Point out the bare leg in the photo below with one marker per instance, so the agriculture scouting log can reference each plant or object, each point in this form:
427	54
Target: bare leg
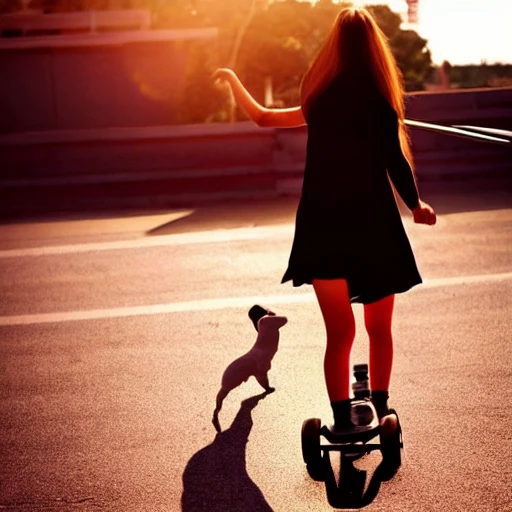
378	318
334	302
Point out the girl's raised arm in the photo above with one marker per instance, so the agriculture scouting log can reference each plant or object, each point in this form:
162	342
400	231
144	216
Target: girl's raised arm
276	117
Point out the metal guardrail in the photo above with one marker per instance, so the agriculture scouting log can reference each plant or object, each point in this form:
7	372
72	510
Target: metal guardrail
477	133
495	131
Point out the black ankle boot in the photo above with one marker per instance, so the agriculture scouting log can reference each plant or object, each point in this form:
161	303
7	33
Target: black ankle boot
341	413
380	402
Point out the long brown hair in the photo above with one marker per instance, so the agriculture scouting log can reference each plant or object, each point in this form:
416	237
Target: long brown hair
356	42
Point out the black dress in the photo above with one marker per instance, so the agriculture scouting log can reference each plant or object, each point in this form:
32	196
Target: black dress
348	224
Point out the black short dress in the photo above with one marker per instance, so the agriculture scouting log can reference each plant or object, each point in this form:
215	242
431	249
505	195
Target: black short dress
348	223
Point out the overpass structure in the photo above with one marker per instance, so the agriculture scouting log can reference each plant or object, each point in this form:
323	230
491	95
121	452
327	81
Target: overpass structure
159	167
91	70
87	123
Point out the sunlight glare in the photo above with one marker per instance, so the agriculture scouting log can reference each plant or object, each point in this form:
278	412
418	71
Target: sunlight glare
460	31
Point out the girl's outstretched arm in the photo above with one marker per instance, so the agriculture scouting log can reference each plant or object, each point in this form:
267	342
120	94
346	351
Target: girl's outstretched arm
277	117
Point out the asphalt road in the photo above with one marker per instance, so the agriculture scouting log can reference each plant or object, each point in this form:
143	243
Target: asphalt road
115	331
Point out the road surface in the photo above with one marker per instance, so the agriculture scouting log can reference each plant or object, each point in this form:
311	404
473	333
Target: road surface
115	331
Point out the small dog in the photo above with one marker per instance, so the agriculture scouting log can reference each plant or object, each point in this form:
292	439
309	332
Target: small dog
257	361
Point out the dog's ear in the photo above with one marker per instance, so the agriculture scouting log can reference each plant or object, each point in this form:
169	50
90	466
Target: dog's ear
257	312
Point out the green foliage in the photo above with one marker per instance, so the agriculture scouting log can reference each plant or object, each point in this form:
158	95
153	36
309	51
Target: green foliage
263	40
201	100
413	58
279	44
410	50
274	47
388	21
482	75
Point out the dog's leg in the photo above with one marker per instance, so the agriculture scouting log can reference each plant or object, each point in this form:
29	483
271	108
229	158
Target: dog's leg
223	393
263	382
215	421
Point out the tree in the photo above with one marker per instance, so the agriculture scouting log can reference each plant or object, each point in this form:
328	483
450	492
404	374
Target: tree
231	17
389	22
279	44
282	39
413	58
273	53
268	43
201	101
235	50
410	50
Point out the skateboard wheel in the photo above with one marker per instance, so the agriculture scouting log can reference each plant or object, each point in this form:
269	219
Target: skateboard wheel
391	448
311	452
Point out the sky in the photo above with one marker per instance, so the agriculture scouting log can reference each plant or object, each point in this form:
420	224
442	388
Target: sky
462	31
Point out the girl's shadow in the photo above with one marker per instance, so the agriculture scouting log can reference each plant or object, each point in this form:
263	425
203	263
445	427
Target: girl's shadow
350	492
216	478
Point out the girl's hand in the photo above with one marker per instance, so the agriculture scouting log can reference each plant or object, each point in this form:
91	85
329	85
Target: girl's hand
424	214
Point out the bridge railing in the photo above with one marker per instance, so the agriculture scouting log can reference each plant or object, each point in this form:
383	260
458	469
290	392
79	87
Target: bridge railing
162	166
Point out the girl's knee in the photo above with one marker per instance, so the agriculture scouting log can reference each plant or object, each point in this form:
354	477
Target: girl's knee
342	330
334	302
378	330
378	318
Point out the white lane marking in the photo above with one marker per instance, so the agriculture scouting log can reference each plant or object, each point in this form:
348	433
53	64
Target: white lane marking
155	309
199	237
221	303
475	279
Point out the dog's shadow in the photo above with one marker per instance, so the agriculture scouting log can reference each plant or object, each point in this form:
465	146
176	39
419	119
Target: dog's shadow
216	478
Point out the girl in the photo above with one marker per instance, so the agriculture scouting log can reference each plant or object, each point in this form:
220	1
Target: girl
349	242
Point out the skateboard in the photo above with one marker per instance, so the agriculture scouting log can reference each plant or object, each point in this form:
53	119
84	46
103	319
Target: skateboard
317	439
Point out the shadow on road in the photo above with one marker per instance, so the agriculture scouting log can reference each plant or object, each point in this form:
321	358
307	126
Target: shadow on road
216	478
447	197
349	490
232	214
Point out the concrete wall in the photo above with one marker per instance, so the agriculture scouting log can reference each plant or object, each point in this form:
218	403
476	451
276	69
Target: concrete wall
89	87
89	81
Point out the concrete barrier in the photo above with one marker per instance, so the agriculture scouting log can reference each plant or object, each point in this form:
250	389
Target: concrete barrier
135	167
169	166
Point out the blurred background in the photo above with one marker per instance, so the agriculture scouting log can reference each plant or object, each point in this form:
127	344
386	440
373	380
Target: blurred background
176	44
82	79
